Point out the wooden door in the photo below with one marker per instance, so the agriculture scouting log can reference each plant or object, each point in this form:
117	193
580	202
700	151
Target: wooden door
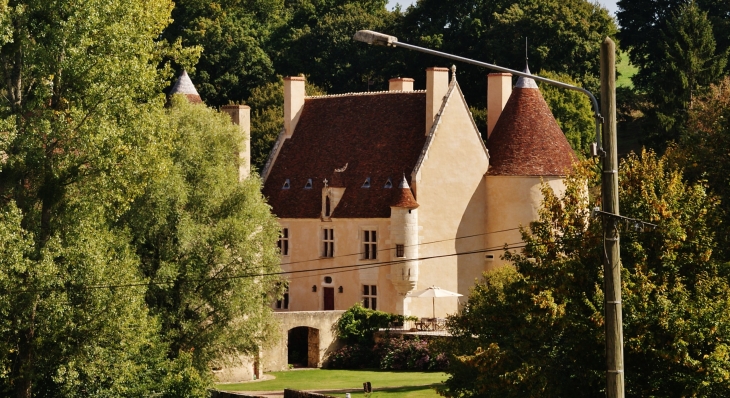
329	298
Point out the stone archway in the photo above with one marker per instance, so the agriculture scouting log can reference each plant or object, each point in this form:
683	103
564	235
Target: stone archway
303	347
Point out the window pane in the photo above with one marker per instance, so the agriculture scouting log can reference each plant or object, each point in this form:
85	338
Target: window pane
366	302
375	251
286	248
286	232
373	301
366	236
332	234
286	301
372	236
374	290
366	290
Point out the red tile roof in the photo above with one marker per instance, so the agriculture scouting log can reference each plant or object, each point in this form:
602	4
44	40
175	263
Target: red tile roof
378	136
403	196
527	141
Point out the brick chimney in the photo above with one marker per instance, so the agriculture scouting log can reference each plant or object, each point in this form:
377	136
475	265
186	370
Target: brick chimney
241	116
293	102
437	84
499	88
400	84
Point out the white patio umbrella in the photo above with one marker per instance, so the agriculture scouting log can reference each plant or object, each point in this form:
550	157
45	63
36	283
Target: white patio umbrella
433	292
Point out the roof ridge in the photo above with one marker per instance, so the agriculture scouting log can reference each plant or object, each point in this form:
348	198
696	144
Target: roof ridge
365	93
432	132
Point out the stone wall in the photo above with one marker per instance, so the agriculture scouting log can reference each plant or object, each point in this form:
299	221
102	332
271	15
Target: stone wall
275	357
303	394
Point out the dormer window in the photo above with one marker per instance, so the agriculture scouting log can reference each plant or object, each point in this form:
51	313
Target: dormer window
308	185
286	184
366	184
389	184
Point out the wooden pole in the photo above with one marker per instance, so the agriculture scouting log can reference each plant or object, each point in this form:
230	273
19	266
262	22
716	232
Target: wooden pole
612	260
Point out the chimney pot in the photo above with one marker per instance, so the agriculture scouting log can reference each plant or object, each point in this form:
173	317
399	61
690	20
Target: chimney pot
499	88
241	116
293	102
437	84
400	84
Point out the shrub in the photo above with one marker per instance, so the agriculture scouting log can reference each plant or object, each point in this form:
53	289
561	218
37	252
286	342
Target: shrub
358	324
391	353
405	353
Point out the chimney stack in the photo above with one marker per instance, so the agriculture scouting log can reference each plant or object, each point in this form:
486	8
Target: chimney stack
293	102
499	88
241	116
400	84
437	84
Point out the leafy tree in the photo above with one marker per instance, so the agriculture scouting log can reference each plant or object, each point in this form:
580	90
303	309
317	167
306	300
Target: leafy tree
642	23
267	118
233	37
572	111
207	243
702	151
358	324
537	328
317	40
570	33
690	65
82	131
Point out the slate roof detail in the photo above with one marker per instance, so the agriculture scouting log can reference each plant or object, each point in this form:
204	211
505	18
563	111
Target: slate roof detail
527	141
403	197
379	135
185	86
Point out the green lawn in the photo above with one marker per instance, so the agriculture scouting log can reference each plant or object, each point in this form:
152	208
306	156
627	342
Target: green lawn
626	70
401	384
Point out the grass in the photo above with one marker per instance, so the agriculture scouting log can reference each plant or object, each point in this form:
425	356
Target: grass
626	70
398	384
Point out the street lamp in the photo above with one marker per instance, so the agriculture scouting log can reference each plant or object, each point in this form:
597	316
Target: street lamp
381	39
609	187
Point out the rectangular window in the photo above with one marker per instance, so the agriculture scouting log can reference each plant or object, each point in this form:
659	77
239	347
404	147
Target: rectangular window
284	242
328	242
370	245
370	296
283	304
400	251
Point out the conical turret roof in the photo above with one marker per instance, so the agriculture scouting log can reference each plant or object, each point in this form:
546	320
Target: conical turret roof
185	86
403	197
527	141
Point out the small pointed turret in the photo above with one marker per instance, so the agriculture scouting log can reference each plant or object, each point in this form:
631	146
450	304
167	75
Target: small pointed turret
403	197
185	86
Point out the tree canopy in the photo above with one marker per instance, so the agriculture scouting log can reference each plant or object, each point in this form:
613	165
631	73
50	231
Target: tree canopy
85	140
537	328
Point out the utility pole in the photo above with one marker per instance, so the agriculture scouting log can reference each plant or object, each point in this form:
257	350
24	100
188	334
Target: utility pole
612	259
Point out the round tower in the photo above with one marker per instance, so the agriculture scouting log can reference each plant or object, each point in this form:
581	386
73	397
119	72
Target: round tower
404	237
526	148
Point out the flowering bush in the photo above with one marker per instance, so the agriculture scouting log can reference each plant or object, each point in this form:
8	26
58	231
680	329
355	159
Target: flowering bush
392	353
354	356
408	354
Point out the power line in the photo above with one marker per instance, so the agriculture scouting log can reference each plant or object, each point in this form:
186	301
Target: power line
334	269
417	244
342	268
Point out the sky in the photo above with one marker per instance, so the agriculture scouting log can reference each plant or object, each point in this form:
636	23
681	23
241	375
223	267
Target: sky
609	4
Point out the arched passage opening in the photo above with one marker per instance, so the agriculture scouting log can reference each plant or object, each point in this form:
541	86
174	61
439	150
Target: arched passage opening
303	347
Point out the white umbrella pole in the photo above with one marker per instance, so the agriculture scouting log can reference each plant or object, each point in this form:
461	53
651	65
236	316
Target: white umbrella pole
433	306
